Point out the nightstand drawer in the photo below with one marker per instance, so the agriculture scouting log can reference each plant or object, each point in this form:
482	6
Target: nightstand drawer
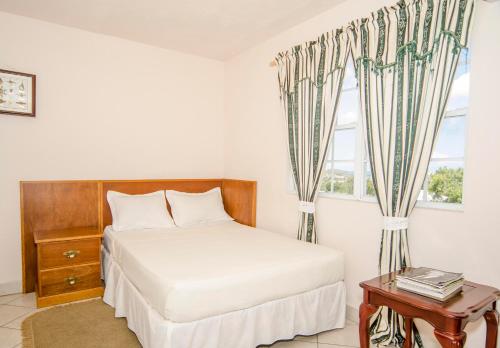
68	253
55	282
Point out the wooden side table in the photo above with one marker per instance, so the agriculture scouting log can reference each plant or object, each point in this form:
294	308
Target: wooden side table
68	265
448	318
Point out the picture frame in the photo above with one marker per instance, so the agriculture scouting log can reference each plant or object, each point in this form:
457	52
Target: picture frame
17	93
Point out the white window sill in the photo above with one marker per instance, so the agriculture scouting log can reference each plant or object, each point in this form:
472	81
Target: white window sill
370	199
331	195
441	206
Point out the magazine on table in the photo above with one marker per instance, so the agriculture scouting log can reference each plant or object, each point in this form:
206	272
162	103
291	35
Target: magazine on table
430	277
430	282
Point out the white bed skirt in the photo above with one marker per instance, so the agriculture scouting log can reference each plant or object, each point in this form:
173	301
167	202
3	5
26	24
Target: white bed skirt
305	314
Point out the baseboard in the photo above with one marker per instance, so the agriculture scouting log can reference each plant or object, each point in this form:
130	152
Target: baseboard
9	288
352	314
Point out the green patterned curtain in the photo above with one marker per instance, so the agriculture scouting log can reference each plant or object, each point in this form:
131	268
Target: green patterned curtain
310	79
406	57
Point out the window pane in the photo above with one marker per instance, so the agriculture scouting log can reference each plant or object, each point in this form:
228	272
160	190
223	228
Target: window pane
451	139
343	177
348	108
445	181
326	182
349	76
329	154
344	142
328	166
369	189
459	96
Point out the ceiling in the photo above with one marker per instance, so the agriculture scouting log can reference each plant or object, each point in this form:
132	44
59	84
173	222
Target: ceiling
216	29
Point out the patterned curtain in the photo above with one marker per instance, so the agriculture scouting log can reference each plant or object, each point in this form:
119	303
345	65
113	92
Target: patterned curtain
405	57
310	79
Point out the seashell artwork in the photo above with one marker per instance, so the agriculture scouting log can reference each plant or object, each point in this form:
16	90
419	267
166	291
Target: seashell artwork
17	93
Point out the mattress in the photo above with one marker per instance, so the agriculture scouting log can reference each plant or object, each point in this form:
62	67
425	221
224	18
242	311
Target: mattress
188	274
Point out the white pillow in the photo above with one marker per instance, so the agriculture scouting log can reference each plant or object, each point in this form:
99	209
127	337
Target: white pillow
139	211
190	209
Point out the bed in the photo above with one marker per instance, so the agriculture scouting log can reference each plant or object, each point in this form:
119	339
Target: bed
224	285
221	285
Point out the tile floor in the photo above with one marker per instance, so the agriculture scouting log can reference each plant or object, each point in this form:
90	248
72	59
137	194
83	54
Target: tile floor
341	338
14	308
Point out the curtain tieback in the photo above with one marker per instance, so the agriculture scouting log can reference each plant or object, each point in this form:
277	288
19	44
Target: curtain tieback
395	223
306	207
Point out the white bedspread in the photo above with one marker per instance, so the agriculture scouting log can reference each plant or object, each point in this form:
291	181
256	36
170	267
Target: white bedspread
195	273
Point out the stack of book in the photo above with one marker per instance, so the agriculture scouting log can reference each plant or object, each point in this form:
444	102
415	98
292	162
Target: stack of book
430	282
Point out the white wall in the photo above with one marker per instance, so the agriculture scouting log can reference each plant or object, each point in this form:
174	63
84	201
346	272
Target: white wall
465	241
106	108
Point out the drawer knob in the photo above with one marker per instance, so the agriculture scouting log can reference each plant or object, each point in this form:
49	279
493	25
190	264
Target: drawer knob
71	254
71	280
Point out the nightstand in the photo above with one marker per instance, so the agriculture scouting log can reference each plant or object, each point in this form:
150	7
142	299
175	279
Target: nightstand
68	265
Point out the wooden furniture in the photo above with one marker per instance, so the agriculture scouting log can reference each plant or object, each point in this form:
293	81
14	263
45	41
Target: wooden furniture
68	265
448	318
66	209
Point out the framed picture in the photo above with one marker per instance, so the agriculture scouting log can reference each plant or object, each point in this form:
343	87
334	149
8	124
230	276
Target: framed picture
17	93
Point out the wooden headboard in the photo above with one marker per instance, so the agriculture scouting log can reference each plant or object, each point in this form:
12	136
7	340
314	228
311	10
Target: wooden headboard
238	195
48	205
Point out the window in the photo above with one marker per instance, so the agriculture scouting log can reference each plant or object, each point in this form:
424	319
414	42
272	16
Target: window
444	182
347	169
343	157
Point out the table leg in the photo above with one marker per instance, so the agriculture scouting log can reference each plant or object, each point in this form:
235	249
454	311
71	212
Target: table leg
491	318
365	312
408	330
449	340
